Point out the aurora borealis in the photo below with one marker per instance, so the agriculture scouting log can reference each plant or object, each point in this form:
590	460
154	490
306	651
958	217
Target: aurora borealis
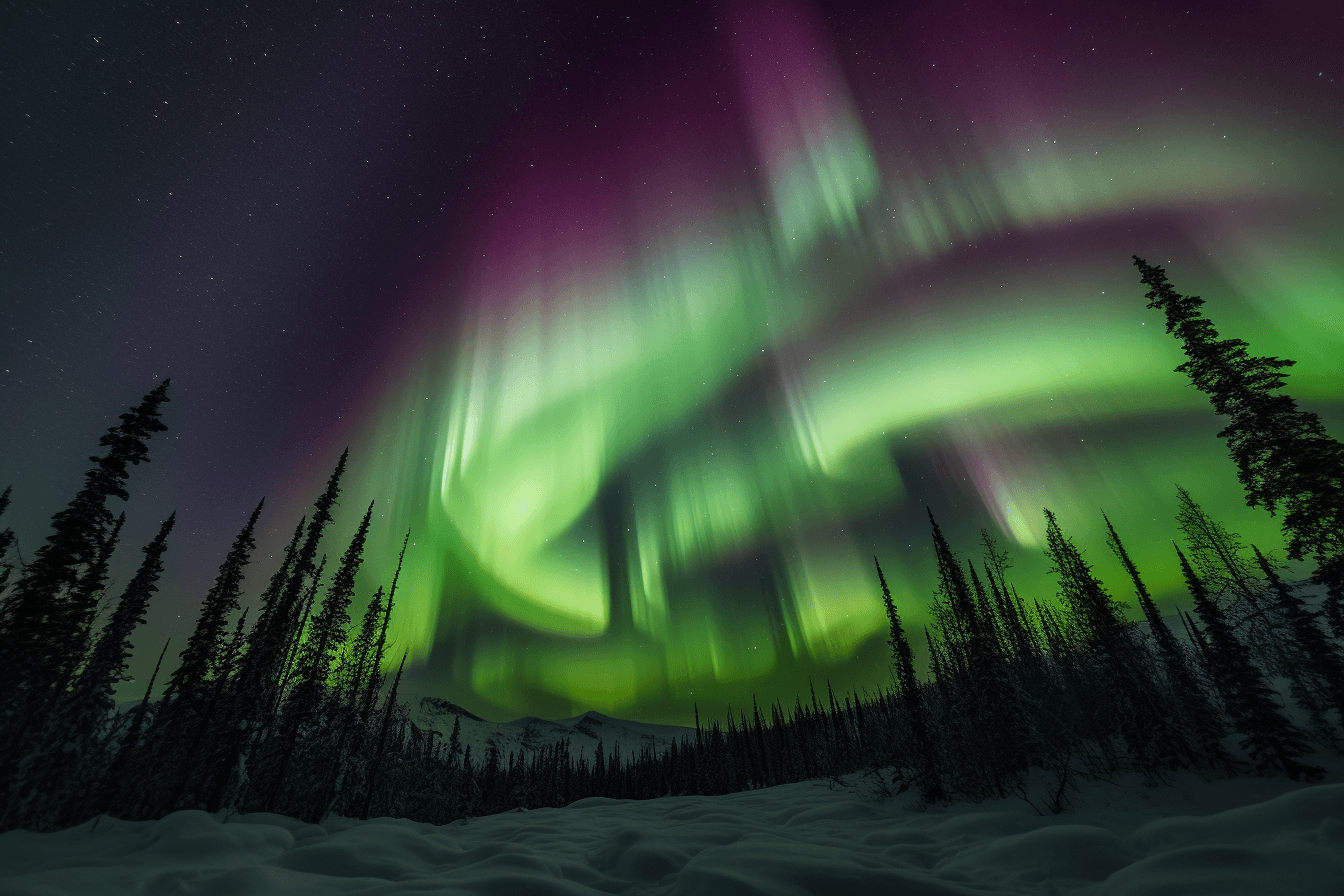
704	314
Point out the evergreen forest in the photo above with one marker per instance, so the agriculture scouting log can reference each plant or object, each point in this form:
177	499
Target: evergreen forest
296	711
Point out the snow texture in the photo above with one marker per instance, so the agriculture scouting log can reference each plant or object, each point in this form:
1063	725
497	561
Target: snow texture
1242	836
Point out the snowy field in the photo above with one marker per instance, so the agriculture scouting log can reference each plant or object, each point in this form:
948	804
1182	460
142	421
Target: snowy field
1246	836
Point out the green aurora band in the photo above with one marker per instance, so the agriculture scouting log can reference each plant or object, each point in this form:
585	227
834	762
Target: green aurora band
653	460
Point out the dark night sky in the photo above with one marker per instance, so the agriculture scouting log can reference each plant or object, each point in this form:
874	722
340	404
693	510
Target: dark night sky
535	261
234	198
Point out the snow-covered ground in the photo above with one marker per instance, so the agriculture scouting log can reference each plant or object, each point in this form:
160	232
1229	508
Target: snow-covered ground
1261	836
1246	836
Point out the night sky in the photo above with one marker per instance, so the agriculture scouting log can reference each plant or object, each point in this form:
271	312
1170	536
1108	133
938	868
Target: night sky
653	324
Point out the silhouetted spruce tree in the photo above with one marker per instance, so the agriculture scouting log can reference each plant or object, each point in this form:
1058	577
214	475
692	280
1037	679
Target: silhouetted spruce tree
1124	678
1162	636
193	776
46	619
359	651
939	670
289	666
285	723
82	718
1270	738
1020	639
191	698
287	618
107	664
1318	665
455	739
227	666
1196	638
979	712
767	775
902	657
1193	713
96	683
259	688
93	584
955	609
247	687
129	798
375	681
987	612
199	660
1041	732
326	636
6	542
260	635
349	740
380	752
1215	553
1284	457
1099	617
329	628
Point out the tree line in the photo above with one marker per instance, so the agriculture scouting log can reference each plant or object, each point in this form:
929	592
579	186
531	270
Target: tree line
298	713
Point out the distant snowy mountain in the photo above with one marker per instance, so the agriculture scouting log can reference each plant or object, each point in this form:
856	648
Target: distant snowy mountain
530	734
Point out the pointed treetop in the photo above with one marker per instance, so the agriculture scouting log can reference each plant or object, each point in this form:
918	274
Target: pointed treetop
1192	579
1163	297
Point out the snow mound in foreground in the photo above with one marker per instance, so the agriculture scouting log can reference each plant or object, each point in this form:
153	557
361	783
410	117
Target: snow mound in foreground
1244	836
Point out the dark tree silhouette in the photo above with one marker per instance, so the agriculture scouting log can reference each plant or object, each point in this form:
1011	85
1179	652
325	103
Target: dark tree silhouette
1317	665
1284	457
930	787
329	628
380	752
200	659
44	623
96	684
1270	738
113	783
315	657
66	748
1215	553
375	681
1128	689
6	542
359	656
1198	717
256	691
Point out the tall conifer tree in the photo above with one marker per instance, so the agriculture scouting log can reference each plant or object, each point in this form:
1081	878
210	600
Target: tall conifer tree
6	542
359	653
1138	711
329	628
1316	658
200	659
375	681
46	620
326	636
380	754
931	788
1285	459
1270	738
1200	719
1215	552
83	717
97	682
256	691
